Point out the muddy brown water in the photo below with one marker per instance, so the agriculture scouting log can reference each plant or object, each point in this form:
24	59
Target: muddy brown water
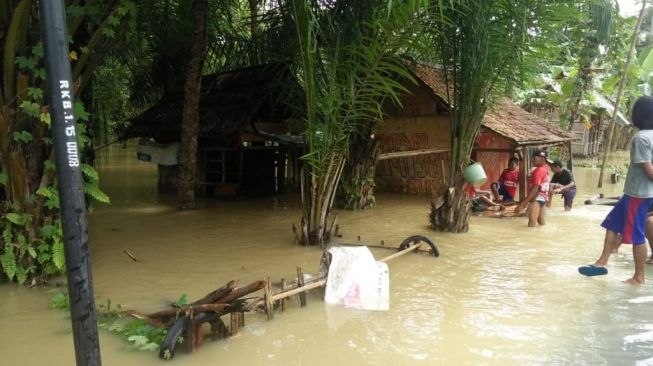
502	294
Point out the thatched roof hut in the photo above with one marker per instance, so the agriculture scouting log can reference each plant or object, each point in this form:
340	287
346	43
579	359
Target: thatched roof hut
505	118
416	140
230	104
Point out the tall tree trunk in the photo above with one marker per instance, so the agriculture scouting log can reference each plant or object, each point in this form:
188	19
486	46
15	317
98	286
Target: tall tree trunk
356	190
318	192
253	11
582	86
620	90
450	212
192	90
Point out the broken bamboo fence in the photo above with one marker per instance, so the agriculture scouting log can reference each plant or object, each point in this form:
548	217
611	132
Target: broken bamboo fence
187	322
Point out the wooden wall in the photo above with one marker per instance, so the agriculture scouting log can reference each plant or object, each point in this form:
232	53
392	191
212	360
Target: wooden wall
493	162
417	126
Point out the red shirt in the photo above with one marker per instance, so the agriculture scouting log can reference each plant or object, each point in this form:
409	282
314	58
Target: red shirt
540	177
510	180
470	191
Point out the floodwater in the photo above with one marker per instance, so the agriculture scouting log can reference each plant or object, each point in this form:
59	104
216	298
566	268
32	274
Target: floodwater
502	294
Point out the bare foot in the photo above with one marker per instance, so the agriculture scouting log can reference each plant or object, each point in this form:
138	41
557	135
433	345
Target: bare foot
634	281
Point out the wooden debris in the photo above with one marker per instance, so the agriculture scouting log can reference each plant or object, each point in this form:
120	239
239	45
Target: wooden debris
399	254
284	301
130	255
269	308
189	309
217	294
153	322
300	283
229	299
592	199
374	246
235	323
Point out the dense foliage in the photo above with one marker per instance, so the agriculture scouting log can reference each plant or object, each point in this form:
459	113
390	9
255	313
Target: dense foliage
347	56
30	247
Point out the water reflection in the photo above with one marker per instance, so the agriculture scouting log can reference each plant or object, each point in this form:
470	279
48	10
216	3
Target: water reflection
502	294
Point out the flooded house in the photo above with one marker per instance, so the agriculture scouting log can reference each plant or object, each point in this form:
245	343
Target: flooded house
416	139
246	143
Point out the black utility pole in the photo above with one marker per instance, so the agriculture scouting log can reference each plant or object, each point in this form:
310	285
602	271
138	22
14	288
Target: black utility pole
70	183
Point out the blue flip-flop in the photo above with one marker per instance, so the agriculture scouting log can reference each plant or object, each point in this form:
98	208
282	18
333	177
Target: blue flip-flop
592	270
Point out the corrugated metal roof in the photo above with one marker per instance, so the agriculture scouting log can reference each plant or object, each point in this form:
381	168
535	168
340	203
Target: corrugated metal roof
505	117
602	102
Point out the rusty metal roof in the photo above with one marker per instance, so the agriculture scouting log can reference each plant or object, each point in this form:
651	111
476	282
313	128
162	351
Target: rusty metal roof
505	118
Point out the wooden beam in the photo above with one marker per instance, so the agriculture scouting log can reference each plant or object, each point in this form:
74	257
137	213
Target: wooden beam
399	254
423	251
404	154
321	281
481	149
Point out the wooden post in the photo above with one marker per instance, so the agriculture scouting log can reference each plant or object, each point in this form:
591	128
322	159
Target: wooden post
570	162
218	330
523	173
198	336
300	283
190	334
284	302
235	323
269	308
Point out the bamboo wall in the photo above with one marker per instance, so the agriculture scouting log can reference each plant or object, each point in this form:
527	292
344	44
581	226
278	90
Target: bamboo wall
493	162
417	126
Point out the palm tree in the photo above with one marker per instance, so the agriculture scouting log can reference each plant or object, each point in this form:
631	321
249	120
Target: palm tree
348	63
480	46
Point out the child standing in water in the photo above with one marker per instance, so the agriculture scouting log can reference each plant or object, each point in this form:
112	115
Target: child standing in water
538	190
628	217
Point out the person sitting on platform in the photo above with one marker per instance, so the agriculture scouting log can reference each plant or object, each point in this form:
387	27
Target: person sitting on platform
505	189
481	200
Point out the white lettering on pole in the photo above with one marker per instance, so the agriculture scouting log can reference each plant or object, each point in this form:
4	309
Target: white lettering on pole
69	116
71	148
